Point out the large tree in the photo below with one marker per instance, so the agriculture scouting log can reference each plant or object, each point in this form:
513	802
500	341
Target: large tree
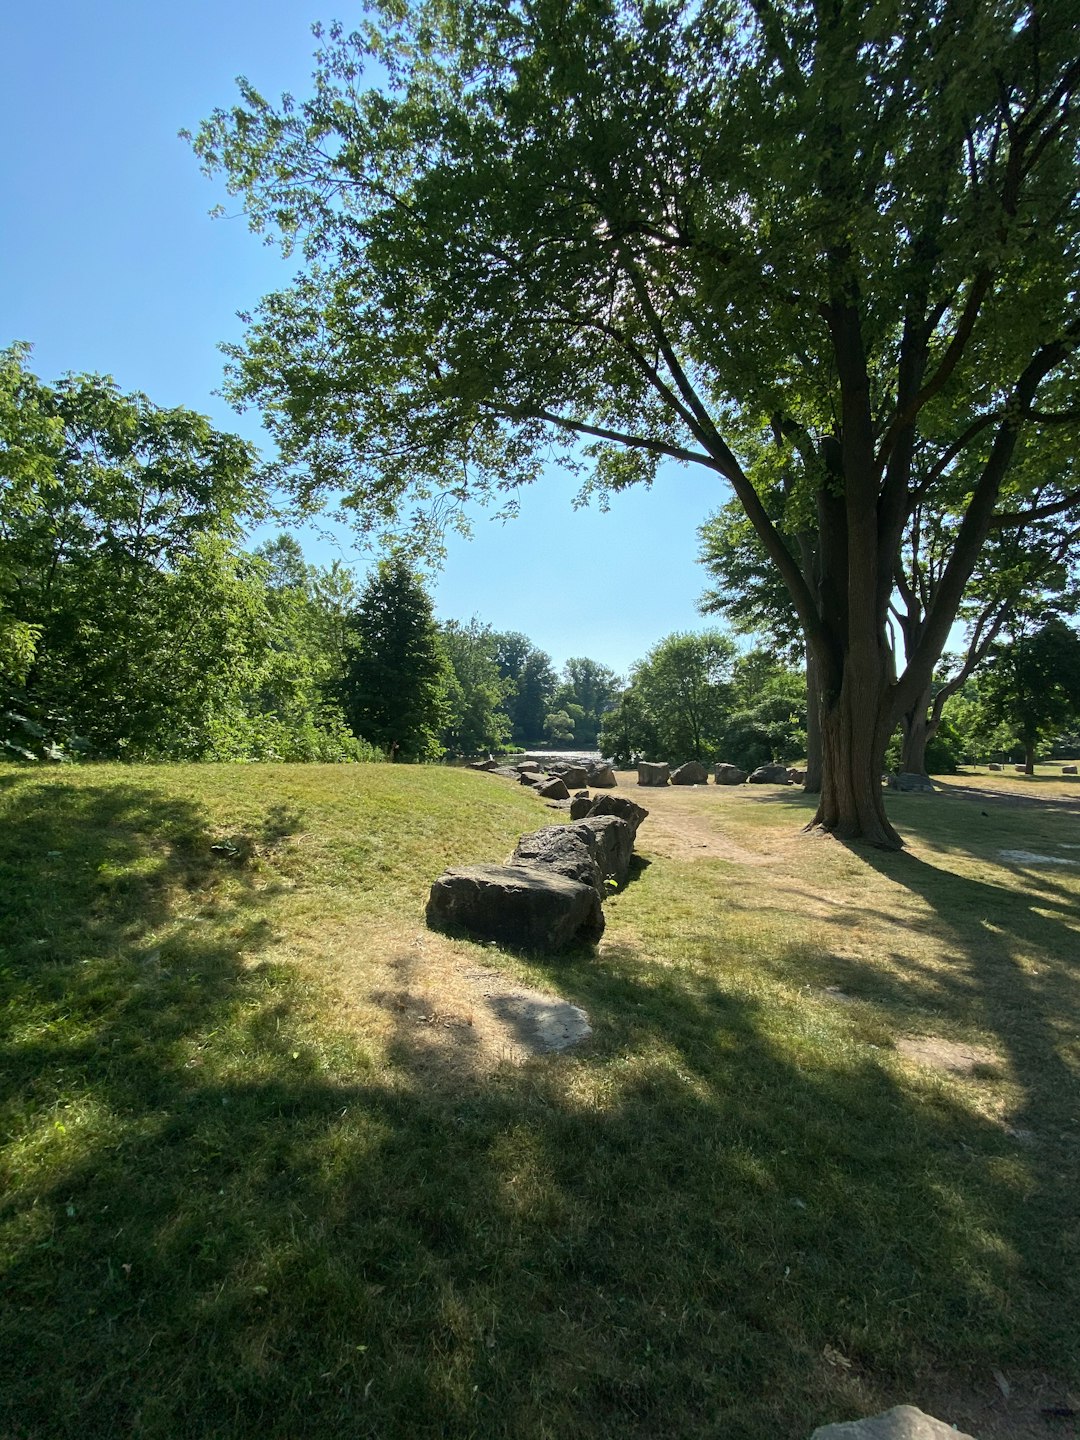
1033	684
657	229
396	676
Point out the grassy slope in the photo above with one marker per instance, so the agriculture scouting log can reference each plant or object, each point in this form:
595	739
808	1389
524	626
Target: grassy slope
238	1203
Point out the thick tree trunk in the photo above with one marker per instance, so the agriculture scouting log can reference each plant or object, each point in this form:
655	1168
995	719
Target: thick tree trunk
1029	757
854	732
812	783
918	732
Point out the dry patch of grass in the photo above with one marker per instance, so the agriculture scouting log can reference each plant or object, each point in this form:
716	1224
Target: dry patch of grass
275	1164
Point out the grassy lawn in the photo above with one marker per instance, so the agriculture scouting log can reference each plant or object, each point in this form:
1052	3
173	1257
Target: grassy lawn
268	1168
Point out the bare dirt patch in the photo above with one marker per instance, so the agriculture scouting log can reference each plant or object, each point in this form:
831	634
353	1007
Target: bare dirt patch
951	1056
450	1014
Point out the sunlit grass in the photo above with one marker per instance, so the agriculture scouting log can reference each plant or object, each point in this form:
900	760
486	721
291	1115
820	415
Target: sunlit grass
243	1194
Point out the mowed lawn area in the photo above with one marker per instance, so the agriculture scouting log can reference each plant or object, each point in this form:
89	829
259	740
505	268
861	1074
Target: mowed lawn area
271	1168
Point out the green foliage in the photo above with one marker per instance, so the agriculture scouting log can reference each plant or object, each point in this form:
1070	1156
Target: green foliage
684	686
476	690
767	722
1032	686
396	673
530	680
586	691
828	253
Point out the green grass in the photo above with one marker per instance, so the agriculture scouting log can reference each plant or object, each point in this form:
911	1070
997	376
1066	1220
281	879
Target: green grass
238	1199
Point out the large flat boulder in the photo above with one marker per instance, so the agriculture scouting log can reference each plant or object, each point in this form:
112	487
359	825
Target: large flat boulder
616	805
692	773
902	1422
531	907
563	849
651	774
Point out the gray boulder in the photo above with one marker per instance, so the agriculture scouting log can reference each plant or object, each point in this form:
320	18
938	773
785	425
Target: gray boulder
528	767
729	775
506	770
648	774
528	906
903	1422
911	783
796	776
563	849
530	777
993	765
551	788
580	805
617	805
602	777
488	764
610	842
574	776
1068	769
692	773
769	775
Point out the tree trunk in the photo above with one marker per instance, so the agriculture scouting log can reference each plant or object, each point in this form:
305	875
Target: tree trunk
812	783
917	734
854	733
1029	757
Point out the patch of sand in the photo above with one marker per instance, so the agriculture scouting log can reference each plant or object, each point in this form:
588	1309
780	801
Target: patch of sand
950	1056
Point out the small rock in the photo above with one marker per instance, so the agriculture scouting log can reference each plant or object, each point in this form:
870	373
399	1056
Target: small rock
993	765
903	1422
618	805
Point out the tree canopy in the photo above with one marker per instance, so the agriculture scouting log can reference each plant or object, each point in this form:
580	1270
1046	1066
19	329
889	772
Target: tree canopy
839	241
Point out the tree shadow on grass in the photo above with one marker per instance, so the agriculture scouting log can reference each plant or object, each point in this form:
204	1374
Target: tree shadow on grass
216	1226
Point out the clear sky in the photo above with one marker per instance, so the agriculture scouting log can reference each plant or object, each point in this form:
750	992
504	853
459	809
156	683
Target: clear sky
109	262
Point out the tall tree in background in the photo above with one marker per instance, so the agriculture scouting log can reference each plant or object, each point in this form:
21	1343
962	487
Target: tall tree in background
531	681
657	230
684	689
477	692
1033	684
395	686
586	691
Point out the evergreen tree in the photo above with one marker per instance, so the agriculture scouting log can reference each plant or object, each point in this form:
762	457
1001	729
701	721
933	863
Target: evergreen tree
396	673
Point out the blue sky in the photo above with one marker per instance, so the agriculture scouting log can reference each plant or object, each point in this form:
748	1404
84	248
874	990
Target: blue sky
109	262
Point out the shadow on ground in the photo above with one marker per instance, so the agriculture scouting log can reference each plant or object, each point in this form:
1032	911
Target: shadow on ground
213	1227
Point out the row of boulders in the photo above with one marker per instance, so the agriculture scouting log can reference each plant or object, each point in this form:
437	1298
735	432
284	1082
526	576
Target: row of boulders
548	894
553	781
694	773
1022	769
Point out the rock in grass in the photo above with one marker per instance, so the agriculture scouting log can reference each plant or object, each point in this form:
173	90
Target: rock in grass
527	906
552	789
903	1422
616	805
692	773
650	774
564	849
909	782
769	775
729	775
610	841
